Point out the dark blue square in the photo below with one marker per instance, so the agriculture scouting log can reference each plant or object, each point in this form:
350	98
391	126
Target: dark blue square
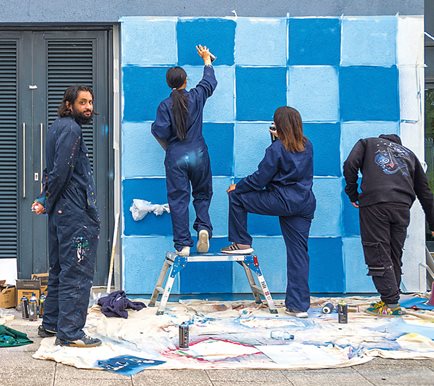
326	273
220	140
350	215
314	41
260	91
217	34
325	138
143	88
208	277
149	189
369	93
261	225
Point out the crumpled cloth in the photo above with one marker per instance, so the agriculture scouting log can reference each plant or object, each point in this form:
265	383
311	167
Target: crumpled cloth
11	338
116	303
140	208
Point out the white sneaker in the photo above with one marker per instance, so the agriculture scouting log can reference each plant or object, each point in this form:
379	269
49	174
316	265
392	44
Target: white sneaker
185	251
203	241
297	314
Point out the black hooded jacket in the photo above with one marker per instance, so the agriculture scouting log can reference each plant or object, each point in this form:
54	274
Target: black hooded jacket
390	173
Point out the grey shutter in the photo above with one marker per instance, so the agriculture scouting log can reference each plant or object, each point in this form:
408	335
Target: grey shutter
8	150
70	63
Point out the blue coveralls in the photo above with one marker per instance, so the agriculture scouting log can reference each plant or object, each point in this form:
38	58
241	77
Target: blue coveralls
282	186
73	229
187	161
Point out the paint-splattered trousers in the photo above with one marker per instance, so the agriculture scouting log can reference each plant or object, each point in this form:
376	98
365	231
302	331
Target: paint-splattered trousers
73	231
383	229
295	230
185	167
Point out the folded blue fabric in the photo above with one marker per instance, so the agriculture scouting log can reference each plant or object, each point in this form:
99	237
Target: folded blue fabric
116	303
417	302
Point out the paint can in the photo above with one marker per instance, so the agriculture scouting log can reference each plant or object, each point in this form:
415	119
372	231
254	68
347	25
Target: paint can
24	308
183	335
328	308
342	312
41	305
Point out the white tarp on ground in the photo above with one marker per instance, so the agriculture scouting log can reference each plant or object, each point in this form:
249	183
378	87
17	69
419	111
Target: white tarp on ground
238	335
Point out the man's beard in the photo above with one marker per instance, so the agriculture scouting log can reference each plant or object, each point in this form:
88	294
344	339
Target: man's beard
81	118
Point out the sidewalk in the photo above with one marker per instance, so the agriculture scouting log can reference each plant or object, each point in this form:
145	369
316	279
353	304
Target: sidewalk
17	368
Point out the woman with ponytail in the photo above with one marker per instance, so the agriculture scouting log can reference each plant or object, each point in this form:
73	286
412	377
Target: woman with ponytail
178	129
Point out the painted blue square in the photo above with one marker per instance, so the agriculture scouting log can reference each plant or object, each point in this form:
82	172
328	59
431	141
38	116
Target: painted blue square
350	215
143	90
325	138
326	274
149	189
217	34
369	41
260	225
142	155
351	132
260	42
143	260
314	92
314	41
369	93
260	91
251	140
220	140
220	107
143	39
356	270
327	221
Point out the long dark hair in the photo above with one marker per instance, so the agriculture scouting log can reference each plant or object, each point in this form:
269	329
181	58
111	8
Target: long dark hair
175	78
290	128
70	96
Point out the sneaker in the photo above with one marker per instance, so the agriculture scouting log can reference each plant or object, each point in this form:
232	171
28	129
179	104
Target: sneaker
203	241
86	341
185	251
297	314
236	249
378	304
45	333
384	311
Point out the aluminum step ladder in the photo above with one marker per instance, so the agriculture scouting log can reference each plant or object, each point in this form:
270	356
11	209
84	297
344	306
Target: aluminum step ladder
177	263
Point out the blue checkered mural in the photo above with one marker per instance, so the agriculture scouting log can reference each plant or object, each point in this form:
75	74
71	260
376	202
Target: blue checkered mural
340	73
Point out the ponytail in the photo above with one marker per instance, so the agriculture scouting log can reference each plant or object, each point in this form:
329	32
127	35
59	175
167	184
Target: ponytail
175	78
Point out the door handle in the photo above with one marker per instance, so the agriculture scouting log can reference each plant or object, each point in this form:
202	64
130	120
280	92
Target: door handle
23	128
41	126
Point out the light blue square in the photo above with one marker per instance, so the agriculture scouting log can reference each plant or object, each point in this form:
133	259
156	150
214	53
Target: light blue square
271	252
327	220
219	208
261	41
369	41
314	92
148	41
351	132
143	259
142	155
355	267
251	140
220	106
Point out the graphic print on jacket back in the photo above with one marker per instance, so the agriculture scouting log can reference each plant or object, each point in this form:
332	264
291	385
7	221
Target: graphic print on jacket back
391	158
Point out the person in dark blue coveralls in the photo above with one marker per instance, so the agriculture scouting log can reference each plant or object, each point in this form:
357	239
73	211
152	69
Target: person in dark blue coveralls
282	186
69	199
178	129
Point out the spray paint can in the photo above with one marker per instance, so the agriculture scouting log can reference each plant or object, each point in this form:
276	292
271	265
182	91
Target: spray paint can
342	312
328	308
183	335
33	308
24	308
41	305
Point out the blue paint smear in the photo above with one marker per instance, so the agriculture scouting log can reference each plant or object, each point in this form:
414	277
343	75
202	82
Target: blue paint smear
398	327
127	364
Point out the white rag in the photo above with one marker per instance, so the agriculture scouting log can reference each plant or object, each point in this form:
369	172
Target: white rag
140	208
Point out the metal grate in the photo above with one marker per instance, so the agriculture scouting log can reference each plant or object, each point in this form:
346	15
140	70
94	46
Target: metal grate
8	150
70	63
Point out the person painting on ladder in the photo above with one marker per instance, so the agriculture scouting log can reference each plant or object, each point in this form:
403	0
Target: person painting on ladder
178	129
282	186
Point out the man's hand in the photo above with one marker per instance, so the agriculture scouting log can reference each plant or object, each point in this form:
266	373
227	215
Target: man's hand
231	188
355	204
38	208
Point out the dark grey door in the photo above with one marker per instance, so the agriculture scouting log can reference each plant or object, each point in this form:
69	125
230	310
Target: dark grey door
40	65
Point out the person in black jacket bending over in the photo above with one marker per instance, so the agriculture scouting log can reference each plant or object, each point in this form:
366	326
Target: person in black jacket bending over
392	177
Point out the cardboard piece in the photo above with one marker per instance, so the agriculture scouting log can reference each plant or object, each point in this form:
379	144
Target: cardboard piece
7	295
44	281
27	287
